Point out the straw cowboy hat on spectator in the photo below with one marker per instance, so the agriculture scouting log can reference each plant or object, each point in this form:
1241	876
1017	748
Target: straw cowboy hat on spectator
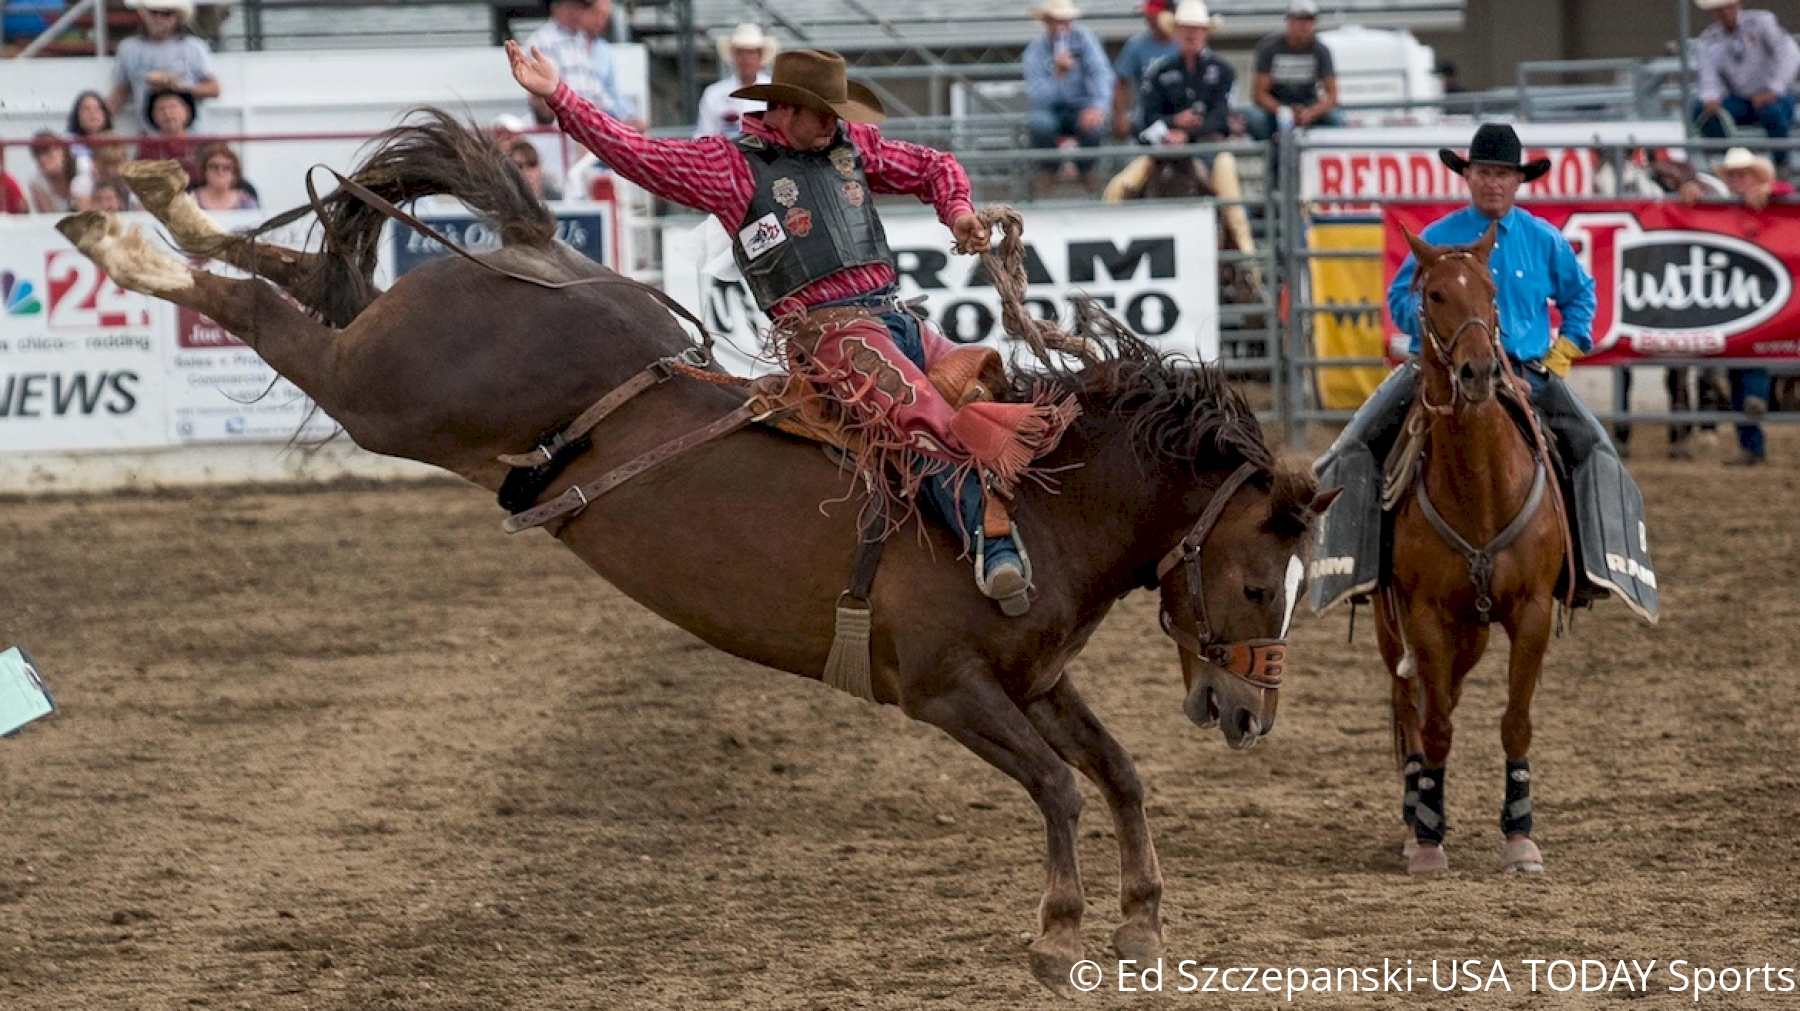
1193	14
1713	5
748	36
1739	158
183	9
815	79
1057	10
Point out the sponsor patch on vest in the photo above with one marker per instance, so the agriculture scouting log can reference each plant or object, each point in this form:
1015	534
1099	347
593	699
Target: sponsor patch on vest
844	160
786	192
853	192
761	235
799	222
753	142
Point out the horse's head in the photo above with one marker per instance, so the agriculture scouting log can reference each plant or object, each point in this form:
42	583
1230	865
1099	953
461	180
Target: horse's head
1459	323
1229	591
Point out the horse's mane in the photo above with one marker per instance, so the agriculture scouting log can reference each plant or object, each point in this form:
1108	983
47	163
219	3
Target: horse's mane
1173	409
1178	411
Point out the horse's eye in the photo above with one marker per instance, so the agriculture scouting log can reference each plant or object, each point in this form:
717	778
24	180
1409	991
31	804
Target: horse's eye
1256	596
1438	297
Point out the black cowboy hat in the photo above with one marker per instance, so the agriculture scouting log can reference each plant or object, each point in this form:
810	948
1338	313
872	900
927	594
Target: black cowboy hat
815	78
1495	144
186	99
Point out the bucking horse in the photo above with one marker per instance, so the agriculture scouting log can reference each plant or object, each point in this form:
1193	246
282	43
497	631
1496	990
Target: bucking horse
746	539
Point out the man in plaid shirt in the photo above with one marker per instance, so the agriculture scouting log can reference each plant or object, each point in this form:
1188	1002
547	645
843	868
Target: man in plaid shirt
796	193
575	40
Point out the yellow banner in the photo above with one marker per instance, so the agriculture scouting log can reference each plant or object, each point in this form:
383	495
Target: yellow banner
1349	334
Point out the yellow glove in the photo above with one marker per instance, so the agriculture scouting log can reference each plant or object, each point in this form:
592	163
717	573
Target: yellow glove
1561	355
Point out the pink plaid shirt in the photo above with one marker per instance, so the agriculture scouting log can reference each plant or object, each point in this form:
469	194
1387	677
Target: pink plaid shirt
712	175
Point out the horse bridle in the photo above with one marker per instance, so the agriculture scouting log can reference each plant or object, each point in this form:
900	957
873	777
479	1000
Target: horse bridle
1445	351
1257	661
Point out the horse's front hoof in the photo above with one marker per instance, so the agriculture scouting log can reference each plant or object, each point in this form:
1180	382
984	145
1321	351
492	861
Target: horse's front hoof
1137	940
1520	856
1053	970
1428	861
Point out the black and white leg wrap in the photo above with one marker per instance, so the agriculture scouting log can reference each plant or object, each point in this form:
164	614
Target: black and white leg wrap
1409	802
1515	817
1429	820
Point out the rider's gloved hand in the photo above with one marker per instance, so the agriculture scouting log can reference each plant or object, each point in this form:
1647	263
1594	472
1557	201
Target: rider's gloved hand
1561	355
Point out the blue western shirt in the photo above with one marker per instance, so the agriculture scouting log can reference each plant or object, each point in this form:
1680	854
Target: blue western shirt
1532	265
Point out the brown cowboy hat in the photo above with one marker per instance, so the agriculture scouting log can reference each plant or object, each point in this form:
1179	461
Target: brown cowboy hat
1495	144
815	79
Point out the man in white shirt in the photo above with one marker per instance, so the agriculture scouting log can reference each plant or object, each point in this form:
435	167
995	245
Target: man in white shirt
748	52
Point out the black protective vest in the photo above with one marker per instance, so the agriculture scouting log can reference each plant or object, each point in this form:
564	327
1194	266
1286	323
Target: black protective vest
812	216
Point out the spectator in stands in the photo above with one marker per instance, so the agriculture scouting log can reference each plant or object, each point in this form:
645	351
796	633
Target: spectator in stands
1746	64
508	129
112	195
1068	82
1146	47
89	118
747	51
1187	97
1446	72
1295	84
575	39
164	57
1751	179
221	186
52	189
170	113
525	158
91	140
12	196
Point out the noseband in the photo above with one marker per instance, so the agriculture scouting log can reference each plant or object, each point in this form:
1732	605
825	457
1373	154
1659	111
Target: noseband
1258	661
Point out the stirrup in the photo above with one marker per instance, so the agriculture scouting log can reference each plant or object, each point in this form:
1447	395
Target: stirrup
1009	587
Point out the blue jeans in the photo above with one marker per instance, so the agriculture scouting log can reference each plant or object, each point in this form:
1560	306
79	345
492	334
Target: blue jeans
1048	125
1747	383
1776	119
957	503
1262	125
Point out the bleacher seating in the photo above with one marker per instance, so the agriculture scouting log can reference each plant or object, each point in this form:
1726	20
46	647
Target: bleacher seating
858	26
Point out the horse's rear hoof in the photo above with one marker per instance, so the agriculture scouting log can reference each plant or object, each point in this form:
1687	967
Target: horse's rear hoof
1138	941
156	183
1520	856
1427	861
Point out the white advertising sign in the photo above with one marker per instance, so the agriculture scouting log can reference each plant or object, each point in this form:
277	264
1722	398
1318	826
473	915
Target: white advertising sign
80	358
1402	162
1154	265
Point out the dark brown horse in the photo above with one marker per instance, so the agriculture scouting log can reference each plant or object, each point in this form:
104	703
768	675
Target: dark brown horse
455	365
1478	540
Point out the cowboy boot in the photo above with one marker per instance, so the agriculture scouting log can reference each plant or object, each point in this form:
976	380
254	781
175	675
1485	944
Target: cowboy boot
1003	572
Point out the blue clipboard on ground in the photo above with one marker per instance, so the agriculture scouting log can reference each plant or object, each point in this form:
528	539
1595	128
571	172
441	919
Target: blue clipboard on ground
23	697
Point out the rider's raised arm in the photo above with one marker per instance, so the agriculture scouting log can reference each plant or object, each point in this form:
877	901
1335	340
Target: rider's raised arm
1403	302
898	166
705	173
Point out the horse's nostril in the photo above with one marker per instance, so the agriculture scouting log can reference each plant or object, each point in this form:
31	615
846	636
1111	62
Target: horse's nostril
1467	372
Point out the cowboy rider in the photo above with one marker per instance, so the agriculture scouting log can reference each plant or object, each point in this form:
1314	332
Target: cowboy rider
1532	265
795	192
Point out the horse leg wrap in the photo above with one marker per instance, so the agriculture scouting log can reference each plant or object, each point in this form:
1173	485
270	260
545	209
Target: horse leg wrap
1409	802
1429	820
1515	817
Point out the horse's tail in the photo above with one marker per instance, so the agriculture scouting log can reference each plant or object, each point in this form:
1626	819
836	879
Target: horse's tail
431	154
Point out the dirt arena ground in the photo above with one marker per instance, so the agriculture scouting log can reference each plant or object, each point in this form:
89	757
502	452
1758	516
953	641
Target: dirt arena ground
357	749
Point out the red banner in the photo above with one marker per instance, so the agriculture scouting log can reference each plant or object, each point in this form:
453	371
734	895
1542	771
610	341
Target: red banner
1670	281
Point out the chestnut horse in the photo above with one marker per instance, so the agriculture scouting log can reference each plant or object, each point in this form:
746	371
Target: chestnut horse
455	365
1478	540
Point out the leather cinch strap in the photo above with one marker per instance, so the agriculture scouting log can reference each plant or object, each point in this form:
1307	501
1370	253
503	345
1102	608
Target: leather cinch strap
577	497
